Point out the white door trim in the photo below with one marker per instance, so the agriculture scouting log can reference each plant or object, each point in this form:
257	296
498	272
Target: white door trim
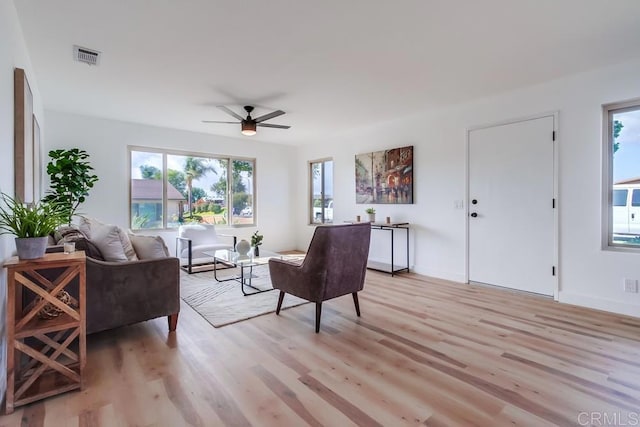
556	211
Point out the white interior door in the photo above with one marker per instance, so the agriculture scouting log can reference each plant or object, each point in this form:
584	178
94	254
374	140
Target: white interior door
511	219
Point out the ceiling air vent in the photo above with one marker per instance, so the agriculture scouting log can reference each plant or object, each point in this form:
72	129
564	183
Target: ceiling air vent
88	56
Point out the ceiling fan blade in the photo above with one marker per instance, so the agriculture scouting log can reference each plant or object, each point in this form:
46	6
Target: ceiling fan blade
216	121
269	116
230	112
267	125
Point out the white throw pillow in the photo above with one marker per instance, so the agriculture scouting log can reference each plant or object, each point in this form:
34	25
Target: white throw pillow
85	226
90	226
149	247
107	239
129	251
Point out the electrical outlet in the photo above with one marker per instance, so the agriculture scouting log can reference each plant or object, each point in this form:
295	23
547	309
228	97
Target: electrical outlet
631	285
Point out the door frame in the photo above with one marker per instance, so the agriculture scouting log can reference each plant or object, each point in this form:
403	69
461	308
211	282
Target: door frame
556	211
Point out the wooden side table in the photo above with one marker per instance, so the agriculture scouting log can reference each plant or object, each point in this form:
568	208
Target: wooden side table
45	357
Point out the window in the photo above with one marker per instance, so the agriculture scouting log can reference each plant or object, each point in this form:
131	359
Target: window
321	192
622	174
620	197
170	188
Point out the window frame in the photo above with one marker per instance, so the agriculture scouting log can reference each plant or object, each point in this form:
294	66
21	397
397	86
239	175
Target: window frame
608	111
310	206
170	152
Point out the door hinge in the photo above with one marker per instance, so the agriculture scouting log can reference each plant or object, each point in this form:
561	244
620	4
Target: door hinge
553	203
553	270
553	135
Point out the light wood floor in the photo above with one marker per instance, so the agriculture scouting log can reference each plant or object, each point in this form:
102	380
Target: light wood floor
422	353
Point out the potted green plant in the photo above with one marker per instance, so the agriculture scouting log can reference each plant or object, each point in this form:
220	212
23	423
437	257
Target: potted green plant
71	179
31	224
372	214
256	241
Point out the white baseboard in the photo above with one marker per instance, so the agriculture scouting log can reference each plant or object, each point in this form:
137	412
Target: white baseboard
613	306
439	274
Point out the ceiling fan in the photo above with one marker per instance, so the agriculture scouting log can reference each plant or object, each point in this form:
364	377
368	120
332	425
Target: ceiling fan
249	124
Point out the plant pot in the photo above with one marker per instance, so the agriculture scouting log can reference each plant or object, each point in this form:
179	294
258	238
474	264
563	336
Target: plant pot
372	217
31	247
256	250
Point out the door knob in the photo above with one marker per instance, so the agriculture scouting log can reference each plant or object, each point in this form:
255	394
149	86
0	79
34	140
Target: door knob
474	201
474	214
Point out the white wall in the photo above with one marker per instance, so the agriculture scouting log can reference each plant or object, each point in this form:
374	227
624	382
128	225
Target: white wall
588	275
106	142
13	53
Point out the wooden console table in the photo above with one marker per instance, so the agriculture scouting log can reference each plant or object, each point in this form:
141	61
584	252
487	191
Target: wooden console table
45	357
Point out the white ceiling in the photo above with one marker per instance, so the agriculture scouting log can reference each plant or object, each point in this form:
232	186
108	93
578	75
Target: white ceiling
331	64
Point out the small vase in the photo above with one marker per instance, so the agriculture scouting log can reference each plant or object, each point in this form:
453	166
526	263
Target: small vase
243	247
31	247
372	217
256	250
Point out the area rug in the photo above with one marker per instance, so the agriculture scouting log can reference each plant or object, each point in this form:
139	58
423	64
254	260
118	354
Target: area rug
222	303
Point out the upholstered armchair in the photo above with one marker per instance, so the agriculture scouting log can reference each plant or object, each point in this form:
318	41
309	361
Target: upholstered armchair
195	239
335	265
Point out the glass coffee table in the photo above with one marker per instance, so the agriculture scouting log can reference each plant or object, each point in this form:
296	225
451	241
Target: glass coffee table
245	263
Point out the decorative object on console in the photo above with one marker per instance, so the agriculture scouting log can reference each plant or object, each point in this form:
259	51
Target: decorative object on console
71	178
372	214
256	241
385	177
51	311
30	224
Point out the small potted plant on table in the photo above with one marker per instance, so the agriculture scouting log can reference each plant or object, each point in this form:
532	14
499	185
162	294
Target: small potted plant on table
372	214
31	224
256	241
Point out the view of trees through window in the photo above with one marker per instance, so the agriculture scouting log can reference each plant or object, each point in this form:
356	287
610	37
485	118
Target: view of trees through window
624	140
198	190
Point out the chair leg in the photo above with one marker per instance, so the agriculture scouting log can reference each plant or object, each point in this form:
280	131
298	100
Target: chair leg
173	321
318	313
356	303
280	298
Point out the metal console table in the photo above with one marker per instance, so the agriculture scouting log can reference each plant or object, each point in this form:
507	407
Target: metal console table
392	267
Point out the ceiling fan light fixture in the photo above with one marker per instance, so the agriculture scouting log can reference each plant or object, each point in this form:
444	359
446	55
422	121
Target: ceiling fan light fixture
248	128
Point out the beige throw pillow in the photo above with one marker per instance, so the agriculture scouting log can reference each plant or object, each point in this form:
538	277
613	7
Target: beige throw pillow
94	229
149	247
107	239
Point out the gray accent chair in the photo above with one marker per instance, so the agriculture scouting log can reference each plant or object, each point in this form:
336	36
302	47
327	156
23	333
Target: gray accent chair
335	265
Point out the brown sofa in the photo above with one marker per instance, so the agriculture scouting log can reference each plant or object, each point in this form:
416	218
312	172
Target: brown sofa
124	293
